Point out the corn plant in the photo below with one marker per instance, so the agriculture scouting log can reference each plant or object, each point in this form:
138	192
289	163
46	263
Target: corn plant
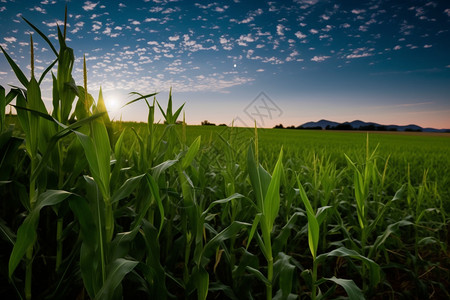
266	189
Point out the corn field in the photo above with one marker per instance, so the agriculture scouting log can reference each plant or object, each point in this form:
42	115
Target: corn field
97	209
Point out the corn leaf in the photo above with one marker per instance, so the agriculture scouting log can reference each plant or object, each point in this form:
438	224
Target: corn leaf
313	225
350	287
272	197
19	74
26	234
189	157
374	268
116	272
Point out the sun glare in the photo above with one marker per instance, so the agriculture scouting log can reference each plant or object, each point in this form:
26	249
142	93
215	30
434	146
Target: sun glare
112	104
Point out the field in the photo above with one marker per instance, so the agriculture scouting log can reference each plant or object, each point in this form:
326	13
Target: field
98	209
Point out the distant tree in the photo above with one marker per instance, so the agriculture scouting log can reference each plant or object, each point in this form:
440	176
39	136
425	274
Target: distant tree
342	127
392	129
413	130
223	124
290	127
207	123
280	126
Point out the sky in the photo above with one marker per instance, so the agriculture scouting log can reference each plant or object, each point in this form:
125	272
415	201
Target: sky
272	62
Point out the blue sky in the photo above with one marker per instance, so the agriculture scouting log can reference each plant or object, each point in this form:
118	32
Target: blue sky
379	61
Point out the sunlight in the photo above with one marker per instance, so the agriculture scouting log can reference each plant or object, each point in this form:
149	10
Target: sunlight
112	104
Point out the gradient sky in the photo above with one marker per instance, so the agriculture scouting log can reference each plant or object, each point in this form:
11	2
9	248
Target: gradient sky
379	61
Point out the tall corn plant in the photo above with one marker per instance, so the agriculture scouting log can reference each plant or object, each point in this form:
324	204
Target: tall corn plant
267	194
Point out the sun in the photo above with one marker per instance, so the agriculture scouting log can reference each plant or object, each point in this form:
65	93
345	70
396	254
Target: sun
112	104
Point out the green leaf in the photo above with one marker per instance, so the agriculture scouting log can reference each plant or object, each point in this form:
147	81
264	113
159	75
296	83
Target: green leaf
201	281
154	189
159	169
374	268
127	188
253	229
191	153
225	234
259	178
313	225
116	272
258	275
350	287
2	107
272	197
19	74
90	261
26	234
42	35
284	270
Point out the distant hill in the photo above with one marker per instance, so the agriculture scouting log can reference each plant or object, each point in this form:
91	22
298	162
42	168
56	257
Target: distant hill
361	125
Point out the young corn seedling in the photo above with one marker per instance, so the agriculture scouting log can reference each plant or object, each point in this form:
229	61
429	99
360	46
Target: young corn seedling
314	222
267	194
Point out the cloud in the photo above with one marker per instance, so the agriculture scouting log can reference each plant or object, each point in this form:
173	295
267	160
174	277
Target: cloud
88	5
250	17
10	39
314	31
37	8
427	46
174	38
280	29
447	12
320	58
3	8
56	23
366	54
300	35
151	20
358	11
260	70
221	9
398	47
244	39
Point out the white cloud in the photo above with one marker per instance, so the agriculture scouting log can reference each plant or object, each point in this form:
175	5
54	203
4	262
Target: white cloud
427	46
221	9
88	5
358	11
280	29
151	20
134	22
244	39
37	8
3	8
320	58
447	12
345	25
54	24
325	17
300	35
365	54
398	47
314	31
10	39
260	70
174	38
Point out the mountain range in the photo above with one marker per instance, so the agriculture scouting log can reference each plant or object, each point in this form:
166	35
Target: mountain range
361	125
